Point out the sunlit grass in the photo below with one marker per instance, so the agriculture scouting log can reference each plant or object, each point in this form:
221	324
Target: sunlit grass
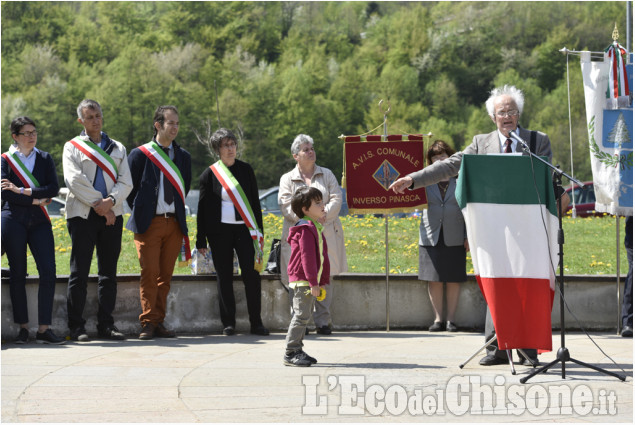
590	246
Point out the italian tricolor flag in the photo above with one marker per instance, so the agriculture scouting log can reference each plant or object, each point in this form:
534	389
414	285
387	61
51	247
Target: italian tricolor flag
512	229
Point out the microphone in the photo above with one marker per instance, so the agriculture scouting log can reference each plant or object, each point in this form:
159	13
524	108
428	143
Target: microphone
513	135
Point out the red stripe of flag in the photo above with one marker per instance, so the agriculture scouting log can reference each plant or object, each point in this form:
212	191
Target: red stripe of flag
521	311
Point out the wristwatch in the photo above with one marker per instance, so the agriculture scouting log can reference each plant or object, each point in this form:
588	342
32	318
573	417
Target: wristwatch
114	201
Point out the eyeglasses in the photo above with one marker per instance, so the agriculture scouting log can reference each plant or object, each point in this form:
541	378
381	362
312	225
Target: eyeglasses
29	133
503	114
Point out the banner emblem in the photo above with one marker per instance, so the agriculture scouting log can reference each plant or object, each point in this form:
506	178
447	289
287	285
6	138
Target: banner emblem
386	174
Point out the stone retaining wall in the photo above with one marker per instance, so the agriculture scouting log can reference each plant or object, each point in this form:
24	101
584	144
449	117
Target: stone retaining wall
359	303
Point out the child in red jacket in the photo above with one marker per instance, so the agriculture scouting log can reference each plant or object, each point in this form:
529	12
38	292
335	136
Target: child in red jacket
308	269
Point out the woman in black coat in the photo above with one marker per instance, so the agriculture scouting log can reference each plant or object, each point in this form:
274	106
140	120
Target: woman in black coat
220	225
29	181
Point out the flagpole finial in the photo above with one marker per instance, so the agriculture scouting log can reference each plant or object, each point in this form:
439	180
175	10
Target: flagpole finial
616	33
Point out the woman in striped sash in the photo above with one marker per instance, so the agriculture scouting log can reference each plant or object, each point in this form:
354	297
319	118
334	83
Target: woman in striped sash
28	182
230	219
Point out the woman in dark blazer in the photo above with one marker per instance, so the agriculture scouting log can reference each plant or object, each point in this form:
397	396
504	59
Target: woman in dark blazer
442	243
221	226
28	182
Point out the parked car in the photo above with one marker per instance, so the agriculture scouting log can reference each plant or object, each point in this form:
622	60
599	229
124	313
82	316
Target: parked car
56	207
191	202
584	201
58	204
269	202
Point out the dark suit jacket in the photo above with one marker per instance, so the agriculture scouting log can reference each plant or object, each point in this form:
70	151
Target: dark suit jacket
145	191
209	202
20	207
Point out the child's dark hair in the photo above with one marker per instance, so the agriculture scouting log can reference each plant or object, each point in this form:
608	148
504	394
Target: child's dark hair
303	197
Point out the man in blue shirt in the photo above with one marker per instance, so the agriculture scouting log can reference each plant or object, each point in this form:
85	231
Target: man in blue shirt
98	178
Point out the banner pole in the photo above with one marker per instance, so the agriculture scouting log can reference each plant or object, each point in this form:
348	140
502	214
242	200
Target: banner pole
385	112
617	284
387	276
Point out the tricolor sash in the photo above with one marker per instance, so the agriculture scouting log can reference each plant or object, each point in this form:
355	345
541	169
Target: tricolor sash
172	173
240	201
98	155
166	165
25	176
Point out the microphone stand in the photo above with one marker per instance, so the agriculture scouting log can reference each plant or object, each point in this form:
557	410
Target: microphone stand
563	355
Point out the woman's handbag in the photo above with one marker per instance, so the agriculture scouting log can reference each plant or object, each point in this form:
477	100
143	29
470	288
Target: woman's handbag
273	263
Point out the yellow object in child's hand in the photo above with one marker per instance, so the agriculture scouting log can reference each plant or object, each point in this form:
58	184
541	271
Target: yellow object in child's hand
322	294
319	297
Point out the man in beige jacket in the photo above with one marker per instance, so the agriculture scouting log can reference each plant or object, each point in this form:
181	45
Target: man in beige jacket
98	178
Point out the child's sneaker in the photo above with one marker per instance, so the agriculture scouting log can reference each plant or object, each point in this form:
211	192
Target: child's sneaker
313	360
299	358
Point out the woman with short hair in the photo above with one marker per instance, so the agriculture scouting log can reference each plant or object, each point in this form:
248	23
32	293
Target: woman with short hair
442	243
308	173
231	219
29	181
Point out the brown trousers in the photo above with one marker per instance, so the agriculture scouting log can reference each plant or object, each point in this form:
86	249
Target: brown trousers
158	249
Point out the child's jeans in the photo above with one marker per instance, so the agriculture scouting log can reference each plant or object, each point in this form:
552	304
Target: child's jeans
302	309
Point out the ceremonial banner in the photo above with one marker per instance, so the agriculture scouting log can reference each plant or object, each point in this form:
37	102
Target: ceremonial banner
610	136
371	167
512	232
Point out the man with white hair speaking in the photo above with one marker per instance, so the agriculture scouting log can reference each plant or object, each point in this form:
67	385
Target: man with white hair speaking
504	106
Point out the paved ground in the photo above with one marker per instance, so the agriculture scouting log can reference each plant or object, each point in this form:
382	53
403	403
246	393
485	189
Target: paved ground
398	376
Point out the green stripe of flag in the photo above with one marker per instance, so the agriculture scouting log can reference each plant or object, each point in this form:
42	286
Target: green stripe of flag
498	179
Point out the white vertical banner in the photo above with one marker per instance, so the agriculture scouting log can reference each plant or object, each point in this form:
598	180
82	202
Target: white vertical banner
610	142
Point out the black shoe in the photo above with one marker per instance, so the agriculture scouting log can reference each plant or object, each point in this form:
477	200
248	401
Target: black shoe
491	360
313	360
48	337
229	331
306	331
23	336
323	330
110	332
162	332
627	332
436	327
299	358
530	362
451	327
79	334
260	330
147	331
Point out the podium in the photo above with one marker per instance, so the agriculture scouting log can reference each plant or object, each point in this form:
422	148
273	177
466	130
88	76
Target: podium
511	219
